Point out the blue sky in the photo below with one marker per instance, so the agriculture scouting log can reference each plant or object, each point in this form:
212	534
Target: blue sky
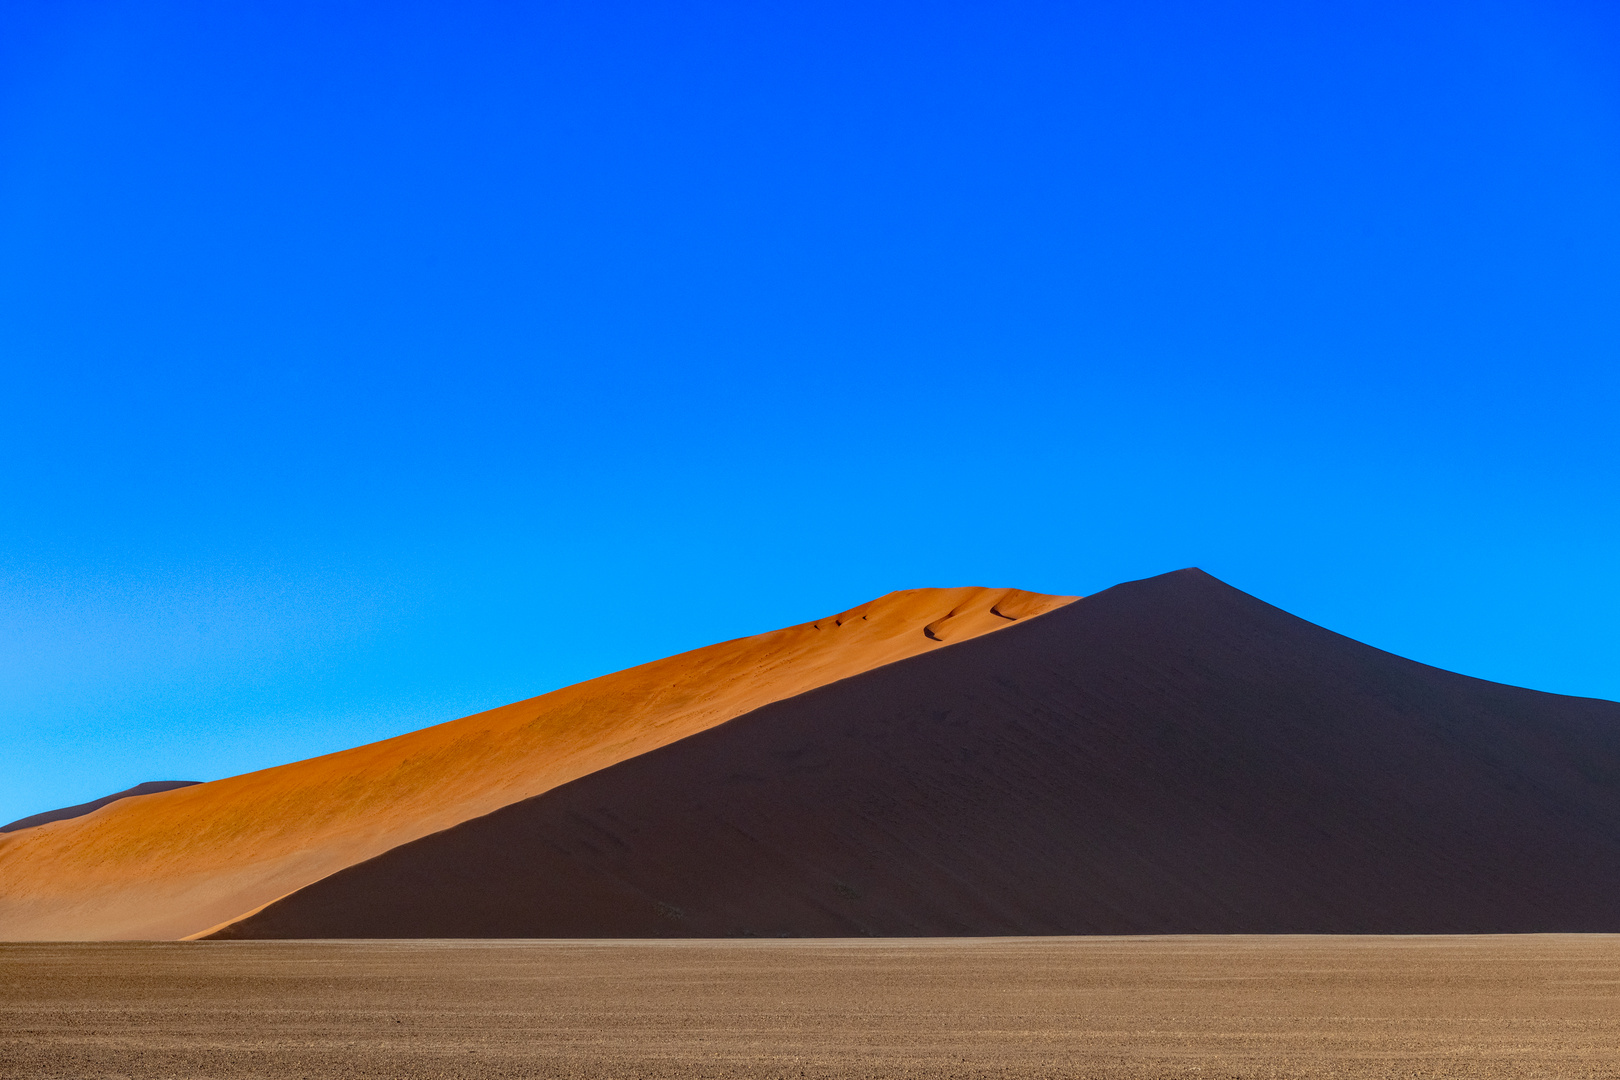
365	365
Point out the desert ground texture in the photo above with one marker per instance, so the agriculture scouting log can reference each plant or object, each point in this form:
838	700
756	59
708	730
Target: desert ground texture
1228	1006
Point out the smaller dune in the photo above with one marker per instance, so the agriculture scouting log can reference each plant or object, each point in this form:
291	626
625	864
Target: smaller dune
150	787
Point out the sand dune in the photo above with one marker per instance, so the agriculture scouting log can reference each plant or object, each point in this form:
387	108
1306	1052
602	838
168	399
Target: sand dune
150	787
1170	755
181	862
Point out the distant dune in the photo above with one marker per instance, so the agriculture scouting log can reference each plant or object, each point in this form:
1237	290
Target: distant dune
181	862
1170	755
150	787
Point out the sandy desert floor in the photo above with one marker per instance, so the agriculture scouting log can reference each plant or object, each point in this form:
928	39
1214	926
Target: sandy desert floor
1106	1007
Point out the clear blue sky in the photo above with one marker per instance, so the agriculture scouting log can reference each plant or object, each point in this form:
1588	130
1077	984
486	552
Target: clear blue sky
365	365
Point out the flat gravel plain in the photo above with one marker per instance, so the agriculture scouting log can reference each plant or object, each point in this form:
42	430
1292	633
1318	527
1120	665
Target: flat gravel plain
1518	1006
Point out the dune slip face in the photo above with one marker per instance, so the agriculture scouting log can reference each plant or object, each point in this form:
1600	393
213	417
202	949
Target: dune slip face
181	862
1167	756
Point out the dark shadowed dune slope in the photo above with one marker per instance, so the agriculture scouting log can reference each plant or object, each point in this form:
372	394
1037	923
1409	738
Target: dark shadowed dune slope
1171	755
150	787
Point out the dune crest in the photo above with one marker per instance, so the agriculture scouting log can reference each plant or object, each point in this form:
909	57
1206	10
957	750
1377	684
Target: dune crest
181	862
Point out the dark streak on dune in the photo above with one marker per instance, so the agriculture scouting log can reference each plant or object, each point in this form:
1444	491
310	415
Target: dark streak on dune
1171	755
150	787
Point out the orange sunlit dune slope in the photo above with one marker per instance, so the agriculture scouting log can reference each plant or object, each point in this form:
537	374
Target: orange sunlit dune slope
180	863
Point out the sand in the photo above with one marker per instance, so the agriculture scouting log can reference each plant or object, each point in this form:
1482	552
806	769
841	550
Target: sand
1167	756
1352	1007
181	862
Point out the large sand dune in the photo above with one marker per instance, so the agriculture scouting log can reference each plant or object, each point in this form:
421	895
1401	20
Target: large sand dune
178	863
1170	755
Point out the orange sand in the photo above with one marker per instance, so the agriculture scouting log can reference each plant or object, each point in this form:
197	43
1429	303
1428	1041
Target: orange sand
183	862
